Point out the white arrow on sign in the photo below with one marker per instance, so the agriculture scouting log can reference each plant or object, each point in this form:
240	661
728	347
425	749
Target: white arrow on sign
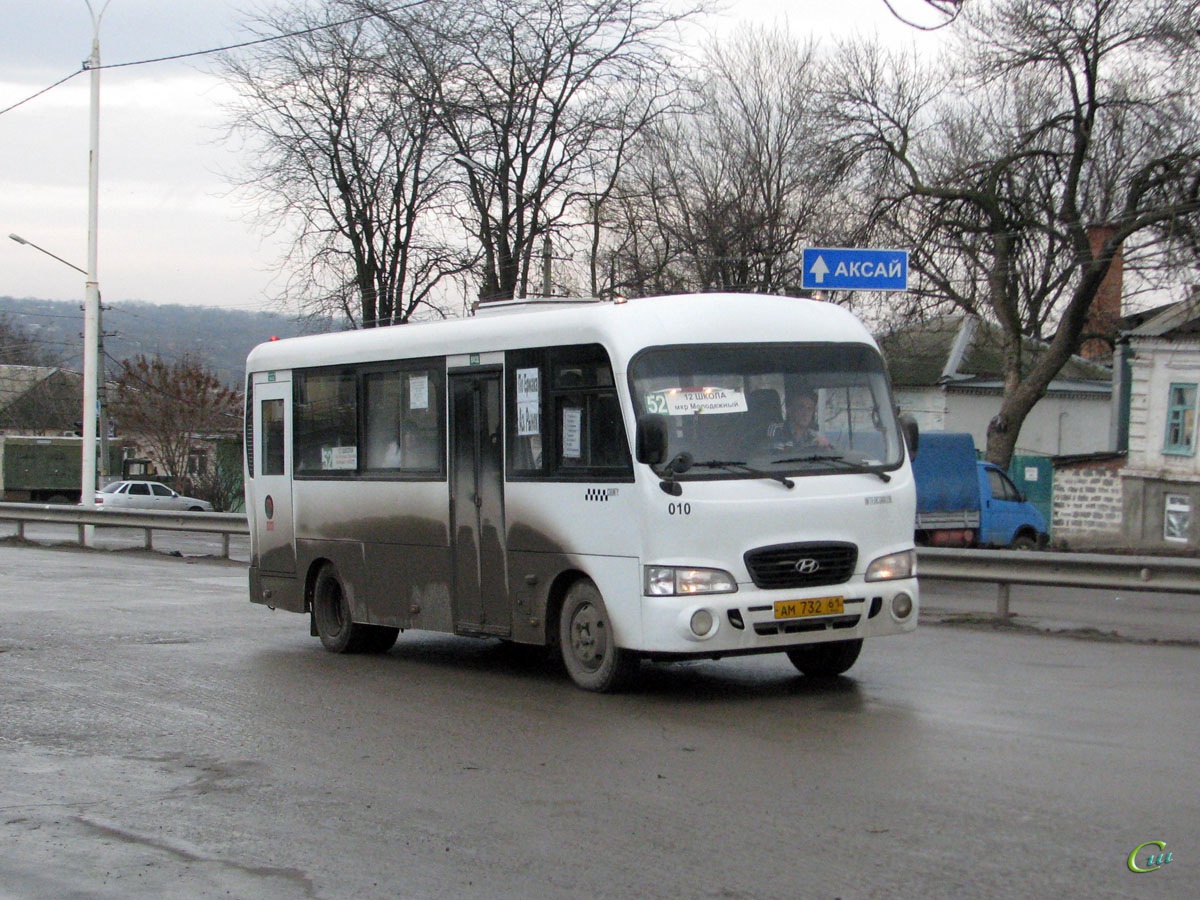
819	269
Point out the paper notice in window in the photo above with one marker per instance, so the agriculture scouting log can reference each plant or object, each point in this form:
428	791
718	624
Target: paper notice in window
687	401
572	432
339	458
529	416
418	392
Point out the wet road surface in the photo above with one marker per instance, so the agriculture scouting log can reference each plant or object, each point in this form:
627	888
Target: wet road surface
160	735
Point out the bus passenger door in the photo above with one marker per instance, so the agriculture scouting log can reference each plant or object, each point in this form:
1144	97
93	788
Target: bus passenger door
271	515
477	504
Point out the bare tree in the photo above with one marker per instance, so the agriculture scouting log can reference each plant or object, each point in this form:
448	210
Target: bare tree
735	185
172	408
1072	114
538	100
349	159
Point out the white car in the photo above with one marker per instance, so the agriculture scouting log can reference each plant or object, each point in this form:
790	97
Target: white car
147	495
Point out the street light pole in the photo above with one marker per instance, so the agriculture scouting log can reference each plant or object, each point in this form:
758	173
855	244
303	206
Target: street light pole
91	297
21	240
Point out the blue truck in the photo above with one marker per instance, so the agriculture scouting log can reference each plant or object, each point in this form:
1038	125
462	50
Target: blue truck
963	501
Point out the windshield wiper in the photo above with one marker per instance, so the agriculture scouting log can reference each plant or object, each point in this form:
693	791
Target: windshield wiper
834	458
731	465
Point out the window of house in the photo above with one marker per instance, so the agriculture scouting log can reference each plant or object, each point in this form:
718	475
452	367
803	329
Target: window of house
1177	517
197	464
1181	420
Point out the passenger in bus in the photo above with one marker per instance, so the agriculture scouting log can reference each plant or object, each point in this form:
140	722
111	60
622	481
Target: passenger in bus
801	428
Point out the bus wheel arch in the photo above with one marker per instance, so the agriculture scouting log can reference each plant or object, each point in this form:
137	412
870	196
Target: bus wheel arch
333	620
585	642
555	597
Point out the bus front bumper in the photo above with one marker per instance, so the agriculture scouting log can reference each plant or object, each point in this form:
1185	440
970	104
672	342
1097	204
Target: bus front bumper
755	621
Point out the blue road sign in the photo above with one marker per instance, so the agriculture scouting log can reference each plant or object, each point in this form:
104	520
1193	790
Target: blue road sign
843	269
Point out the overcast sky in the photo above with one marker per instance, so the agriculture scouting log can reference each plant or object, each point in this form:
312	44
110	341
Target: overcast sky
171	229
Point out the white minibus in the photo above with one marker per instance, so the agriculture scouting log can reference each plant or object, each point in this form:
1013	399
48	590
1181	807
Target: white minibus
668	478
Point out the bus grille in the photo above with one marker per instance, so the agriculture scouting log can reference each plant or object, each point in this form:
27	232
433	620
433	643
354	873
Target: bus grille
801	565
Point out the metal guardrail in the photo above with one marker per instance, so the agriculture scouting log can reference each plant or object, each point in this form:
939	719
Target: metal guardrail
1001	567
226	525
1160	574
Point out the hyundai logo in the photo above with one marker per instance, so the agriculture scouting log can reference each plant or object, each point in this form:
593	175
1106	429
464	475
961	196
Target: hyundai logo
807	566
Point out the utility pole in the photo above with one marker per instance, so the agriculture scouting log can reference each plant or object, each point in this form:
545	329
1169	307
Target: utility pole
91	297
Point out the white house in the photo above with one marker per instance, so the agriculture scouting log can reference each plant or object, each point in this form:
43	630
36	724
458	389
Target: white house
1161	476
948	374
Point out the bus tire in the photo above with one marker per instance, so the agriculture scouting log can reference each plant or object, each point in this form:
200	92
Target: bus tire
589	654
338	632
825	660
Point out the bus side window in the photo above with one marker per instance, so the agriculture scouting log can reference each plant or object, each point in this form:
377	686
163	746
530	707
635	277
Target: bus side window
272	437
564	416
401	421
591	430
526	378
325	423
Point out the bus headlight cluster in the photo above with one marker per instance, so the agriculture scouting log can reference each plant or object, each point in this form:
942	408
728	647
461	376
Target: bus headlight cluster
675	581
893	566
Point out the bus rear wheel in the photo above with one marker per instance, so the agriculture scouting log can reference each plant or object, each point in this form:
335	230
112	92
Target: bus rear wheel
589	652
339	633
825	660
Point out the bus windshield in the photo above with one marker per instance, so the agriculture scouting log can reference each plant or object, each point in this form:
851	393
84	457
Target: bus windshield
779	409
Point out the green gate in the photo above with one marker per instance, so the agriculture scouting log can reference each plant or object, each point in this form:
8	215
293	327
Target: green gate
1034	477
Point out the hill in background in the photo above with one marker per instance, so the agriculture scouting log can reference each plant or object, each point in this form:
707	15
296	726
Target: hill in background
220	338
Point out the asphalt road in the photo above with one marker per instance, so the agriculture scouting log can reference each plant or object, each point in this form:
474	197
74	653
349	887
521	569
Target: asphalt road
161	736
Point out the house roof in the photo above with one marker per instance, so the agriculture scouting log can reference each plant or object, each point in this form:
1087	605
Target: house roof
1180	319
17	381
962	351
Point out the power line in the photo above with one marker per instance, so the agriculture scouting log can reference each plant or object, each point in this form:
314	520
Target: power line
45	90
266	40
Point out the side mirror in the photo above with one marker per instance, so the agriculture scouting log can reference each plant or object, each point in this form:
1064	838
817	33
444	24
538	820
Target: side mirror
912	434
652	440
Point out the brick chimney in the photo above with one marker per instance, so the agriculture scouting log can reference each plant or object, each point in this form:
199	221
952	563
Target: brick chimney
1106	306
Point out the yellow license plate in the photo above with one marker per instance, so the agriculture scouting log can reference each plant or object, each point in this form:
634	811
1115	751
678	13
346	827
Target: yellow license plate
817	606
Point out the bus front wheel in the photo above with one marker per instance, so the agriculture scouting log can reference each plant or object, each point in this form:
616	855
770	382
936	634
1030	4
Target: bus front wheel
825	660
589	652
338	632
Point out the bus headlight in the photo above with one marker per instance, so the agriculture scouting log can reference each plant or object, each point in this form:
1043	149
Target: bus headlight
893	566
672	581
